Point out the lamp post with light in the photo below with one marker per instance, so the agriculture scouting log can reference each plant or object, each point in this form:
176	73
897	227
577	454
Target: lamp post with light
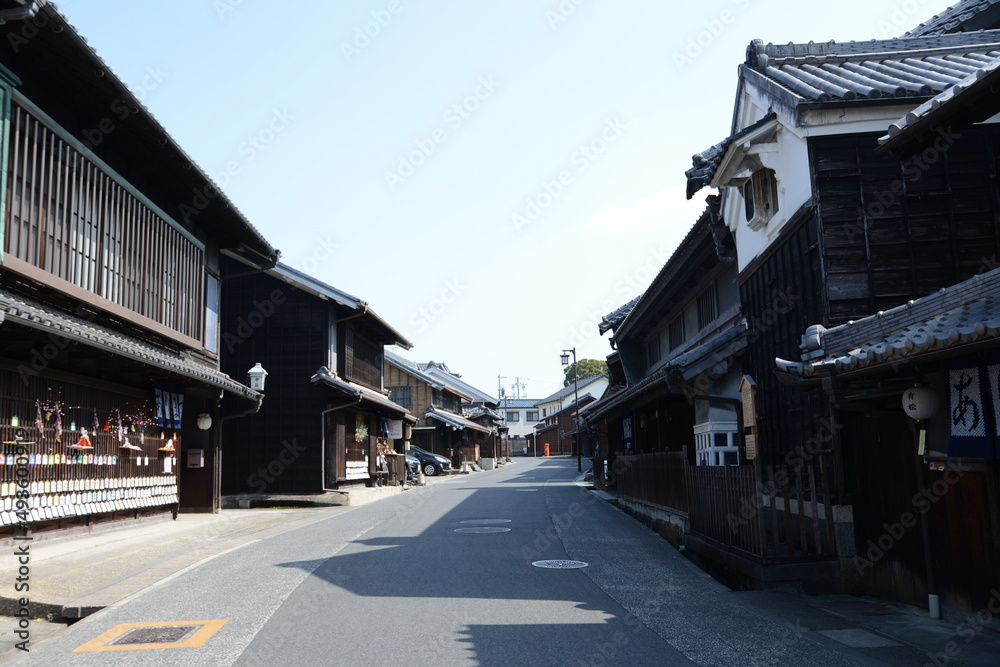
564	357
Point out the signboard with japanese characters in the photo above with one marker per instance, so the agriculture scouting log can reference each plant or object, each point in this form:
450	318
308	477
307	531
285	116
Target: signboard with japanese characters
973	392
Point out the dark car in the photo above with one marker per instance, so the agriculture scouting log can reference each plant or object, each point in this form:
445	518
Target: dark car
431	464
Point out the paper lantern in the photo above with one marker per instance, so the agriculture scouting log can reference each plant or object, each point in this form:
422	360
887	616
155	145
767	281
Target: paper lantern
921	402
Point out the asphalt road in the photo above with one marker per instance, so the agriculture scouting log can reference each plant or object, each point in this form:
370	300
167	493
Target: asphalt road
405	581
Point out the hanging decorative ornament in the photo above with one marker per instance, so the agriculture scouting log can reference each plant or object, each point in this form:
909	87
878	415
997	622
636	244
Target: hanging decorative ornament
97	422
83	442
59	428
129	445
39	423
121	426
107	424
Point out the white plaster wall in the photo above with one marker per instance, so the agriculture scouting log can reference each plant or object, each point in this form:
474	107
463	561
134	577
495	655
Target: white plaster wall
790	160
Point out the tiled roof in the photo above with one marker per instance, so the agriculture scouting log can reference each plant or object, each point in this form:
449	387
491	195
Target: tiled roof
681	368
953	18
954	317
359	392
980	82
910	67
454	383
455	421
410	367
518	403
617	316
566	391
669	278
476	411
318	287
31	314
707	162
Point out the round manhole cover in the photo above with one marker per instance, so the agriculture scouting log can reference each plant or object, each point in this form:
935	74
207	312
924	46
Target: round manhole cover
525	489
483	529
485	522
560	564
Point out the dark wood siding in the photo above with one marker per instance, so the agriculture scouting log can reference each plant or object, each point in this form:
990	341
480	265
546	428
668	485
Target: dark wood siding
266	320
782	296
895	231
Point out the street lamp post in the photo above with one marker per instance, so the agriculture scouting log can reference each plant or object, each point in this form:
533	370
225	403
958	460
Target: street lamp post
564	357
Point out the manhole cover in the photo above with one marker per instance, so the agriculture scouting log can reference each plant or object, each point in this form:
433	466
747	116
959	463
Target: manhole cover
169	634
525	489
560	564
485	522
483	529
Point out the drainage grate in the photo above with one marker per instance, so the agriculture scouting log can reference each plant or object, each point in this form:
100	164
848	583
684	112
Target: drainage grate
485	522
168	634
560	564
483	529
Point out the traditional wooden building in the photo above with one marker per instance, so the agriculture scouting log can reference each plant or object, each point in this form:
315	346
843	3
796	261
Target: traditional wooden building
839	246
559	432
557	413
111	396
677	405
441	427
323	351
916	389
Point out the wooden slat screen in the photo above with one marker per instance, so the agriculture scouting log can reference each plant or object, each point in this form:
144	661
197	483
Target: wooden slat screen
363	363
68	217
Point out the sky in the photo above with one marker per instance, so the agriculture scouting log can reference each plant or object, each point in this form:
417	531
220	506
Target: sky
491	177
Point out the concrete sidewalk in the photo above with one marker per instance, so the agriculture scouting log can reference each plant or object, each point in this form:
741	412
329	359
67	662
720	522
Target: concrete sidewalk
864	629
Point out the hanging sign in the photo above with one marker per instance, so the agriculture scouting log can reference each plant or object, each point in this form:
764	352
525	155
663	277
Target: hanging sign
972	399
169	405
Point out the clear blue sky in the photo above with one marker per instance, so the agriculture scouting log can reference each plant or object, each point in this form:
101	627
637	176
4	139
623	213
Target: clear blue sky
388	147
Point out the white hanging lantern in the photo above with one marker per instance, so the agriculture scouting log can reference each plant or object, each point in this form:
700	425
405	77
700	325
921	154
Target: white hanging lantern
256	376
921	403
204	421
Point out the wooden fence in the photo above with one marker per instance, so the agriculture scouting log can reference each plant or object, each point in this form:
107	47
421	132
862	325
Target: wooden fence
656	479
774	514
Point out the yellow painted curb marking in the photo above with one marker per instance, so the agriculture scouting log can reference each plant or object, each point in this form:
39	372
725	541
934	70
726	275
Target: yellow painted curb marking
202	635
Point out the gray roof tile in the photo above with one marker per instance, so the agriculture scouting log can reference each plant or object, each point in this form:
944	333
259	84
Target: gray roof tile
955	17
953	317
617	316
872	70
16	309
919	119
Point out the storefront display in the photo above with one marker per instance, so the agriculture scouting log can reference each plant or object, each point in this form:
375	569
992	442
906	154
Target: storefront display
53	469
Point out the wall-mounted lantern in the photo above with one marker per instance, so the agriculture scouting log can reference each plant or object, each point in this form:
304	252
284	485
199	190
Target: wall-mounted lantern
204	421
256	376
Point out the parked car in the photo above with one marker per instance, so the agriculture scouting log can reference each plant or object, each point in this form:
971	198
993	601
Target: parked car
431	464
